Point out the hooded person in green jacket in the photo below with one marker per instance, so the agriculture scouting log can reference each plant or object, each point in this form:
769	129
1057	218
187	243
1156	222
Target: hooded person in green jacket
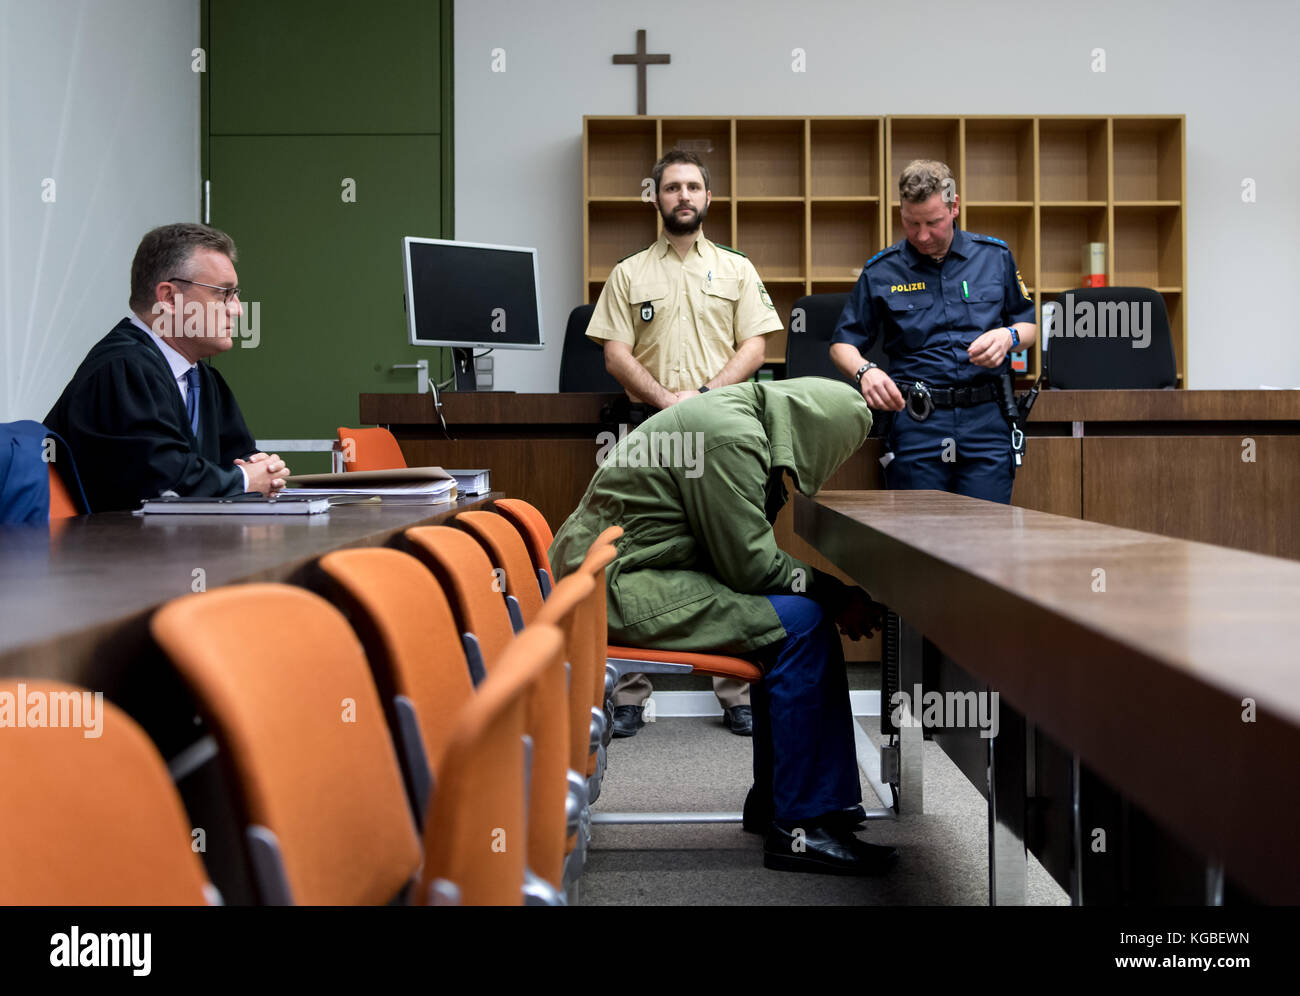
696	489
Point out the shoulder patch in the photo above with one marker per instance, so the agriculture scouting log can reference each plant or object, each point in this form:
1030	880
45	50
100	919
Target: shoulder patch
729	249
988	238
883	252
637	253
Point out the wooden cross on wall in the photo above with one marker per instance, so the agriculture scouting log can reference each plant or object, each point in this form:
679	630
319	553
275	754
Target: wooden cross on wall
640	58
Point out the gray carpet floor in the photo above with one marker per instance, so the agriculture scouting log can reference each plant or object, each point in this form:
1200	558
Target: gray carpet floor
687	765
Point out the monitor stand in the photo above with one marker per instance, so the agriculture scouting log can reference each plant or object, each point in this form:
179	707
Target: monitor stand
462	361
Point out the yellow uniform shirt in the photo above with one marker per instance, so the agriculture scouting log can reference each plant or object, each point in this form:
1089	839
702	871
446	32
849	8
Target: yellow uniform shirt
683	319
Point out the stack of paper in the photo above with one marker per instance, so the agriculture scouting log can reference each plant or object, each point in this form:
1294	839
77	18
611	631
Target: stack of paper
400	486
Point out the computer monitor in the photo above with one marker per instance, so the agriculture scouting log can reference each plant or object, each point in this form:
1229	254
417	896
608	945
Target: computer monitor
469	295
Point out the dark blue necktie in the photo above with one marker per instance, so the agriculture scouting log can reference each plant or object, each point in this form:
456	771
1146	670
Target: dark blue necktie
192	398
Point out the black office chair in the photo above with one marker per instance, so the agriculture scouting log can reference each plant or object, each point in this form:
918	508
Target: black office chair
582	364
1073	362
808	341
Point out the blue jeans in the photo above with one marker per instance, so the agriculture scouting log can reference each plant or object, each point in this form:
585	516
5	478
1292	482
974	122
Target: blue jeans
803	725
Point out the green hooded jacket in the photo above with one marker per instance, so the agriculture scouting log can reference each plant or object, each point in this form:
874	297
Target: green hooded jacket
696	488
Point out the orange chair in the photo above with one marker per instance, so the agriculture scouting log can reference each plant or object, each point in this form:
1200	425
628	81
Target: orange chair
505	548
473	588
411	641
535	530
283	683
91	819
511	561
370	449
474	837
477	595
61	504
568	610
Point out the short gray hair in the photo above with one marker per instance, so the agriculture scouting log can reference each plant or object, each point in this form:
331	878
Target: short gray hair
165	252
921	179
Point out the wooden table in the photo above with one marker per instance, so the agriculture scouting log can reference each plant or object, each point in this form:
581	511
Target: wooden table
1146	682
75	599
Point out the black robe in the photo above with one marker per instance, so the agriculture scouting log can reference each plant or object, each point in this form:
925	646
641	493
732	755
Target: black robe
124	419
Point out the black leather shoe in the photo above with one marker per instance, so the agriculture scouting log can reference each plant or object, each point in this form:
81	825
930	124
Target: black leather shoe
823	851
739	720
627	720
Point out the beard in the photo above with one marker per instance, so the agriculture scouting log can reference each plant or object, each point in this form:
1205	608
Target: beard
675	226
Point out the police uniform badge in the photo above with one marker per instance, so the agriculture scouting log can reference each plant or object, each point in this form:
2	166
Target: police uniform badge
1023	289
762	296
647	311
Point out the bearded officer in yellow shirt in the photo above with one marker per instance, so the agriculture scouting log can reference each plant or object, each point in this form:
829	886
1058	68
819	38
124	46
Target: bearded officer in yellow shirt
683	316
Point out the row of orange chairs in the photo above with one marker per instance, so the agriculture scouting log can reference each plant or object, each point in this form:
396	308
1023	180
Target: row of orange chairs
444	748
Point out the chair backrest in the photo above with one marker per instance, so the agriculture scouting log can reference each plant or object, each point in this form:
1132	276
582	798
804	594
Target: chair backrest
90	816
507	551
475	835
599	557
61	503
370	449
411	641
1110	356
568	610
807	352
535	530
285	686
472	587
582	363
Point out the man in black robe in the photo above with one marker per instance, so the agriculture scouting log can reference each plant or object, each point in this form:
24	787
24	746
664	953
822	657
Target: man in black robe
142	415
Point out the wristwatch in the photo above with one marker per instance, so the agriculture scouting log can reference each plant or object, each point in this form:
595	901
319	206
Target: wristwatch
863	369
1015	337
704	388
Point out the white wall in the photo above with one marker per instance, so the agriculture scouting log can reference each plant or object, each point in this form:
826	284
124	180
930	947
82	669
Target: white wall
97	95
1230	67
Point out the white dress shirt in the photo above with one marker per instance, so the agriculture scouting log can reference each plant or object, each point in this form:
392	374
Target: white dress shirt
180	366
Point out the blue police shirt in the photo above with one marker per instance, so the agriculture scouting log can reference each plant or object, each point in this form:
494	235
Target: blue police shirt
927	315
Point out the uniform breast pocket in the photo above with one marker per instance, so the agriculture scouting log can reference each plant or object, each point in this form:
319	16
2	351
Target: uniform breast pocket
720	297
984	310
911	313
647	300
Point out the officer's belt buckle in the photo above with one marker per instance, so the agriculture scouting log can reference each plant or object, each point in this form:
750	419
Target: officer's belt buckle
920	405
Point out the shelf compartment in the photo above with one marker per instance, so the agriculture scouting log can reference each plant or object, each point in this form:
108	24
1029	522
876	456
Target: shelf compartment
844	236
1063	234
711	141
620	154
922	138
845	158
718	226
999	160
1148	159
769	158
615	231
772	236
1148	247
1072	160
1013	225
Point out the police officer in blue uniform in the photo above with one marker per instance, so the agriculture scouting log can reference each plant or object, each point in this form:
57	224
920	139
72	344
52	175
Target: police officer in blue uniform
951	306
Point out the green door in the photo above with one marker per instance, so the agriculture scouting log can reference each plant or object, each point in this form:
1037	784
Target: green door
324	146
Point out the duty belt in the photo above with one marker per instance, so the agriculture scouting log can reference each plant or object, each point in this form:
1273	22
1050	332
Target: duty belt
922	399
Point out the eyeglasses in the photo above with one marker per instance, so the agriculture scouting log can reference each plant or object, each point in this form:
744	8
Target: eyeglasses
226	292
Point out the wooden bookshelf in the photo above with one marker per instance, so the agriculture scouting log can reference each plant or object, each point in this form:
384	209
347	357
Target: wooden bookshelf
810	199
